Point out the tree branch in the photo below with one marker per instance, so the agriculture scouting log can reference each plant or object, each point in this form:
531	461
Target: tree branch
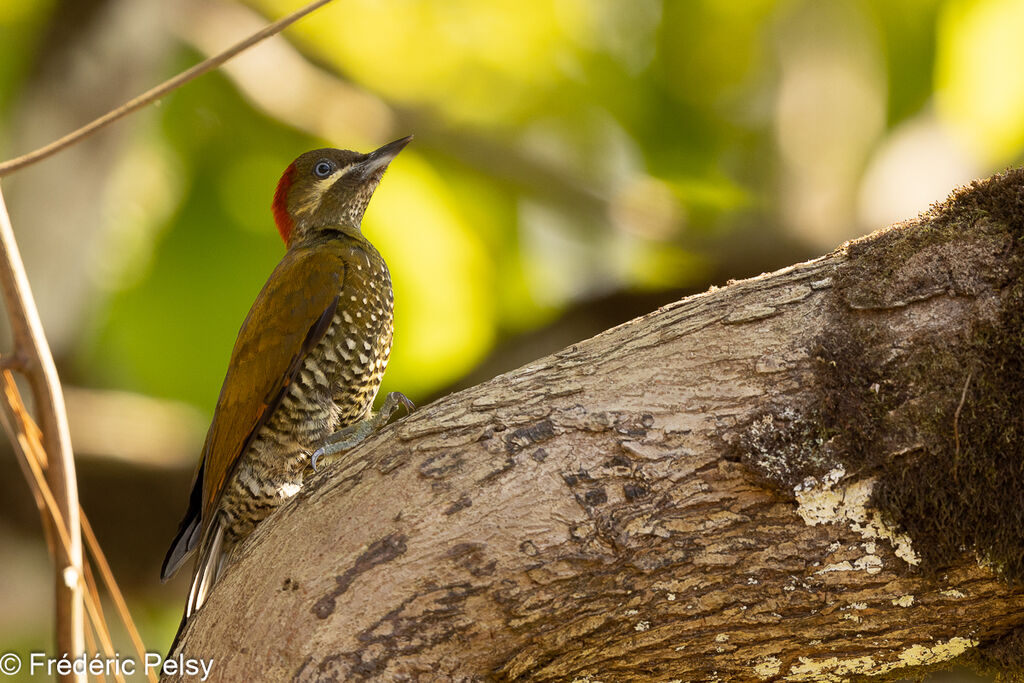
782	479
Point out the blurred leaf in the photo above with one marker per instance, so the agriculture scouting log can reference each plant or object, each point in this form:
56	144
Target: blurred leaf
908	32
660	266
480	62
664	111
20	23
444	311
979	79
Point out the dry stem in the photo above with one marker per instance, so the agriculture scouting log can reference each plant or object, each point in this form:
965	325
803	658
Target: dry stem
30	345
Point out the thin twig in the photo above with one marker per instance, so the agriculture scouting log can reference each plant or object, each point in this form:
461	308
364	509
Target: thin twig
21	444
115	592
24	435
99	622
93	590
31	456
27	447
30	343
95	612
956	415
90	647
157	92
24	444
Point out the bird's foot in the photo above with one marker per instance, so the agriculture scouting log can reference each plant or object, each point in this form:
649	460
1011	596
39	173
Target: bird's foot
353	435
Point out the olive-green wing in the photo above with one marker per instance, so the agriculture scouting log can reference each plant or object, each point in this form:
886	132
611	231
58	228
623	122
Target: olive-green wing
288	318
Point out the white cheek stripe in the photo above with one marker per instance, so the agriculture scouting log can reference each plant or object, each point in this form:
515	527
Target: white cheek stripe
319	188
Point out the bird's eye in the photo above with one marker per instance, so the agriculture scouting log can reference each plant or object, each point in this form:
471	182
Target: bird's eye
323	169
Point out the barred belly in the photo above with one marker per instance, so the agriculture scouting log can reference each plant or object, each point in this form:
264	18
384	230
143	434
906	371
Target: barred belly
334	388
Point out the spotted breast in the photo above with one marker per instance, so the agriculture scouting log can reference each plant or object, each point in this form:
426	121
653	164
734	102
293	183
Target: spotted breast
334	387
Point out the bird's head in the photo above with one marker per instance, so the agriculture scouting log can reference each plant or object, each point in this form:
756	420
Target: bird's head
329	187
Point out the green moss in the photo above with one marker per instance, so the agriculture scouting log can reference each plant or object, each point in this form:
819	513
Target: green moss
950	407
937	418
960	490
963	487
966	489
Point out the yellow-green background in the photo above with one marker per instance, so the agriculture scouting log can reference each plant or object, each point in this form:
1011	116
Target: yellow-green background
576	162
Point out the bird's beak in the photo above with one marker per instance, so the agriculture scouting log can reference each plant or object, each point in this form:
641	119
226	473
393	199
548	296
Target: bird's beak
379	159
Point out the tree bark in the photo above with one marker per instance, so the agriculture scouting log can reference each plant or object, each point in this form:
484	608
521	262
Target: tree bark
810	475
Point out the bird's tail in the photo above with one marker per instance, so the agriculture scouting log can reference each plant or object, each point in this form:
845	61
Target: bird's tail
208	568
208	565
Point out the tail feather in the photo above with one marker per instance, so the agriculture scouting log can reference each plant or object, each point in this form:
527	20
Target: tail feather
183	546
208	566
188	530
207	571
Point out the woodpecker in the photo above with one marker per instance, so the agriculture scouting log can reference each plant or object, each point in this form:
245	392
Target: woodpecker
306	366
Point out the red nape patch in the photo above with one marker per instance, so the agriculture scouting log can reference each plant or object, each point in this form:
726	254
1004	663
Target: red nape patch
285	225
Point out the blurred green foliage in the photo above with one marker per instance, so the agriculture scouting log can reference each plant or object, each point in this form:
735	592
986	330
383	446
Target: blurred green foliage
21	22
666	113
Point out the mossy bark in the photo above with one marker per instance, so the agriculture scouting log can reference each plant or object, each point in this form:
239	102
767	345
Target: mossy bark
816	474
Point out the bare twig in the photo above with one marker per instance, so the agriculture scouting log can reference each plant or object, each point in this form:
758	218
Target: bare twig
101	629
956	415
157	92
27	447
90	644
25	436
23	442
115	592
95	612
30	343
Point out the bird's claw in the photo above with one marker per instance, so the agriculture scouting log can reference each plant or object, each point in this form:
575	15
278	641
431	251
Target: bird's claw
351	436
317	454
392	402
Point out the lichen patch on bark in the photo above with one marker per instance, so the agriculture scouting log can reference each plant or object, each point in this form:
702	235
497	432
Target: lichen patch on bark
829	501
839	669
768	668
